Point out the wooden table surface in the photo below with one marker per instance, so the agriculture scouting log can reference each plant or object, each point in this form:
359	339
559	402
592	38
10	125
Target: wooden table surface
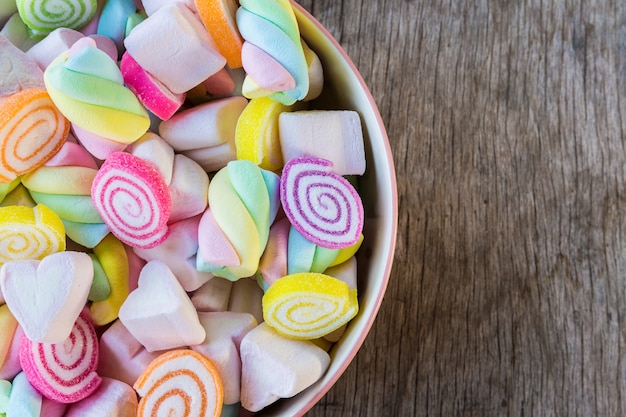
507	123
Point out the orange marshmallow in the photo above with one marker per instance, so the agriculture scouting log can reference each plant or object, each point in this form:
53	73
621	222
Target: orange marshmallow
218	16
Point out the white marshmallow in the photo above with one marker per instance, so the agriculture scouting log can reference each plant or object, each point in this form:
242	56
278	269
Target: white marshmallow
18	71
206	125
112	399
224	332
246	297
189	189
174	46
50	47
159	313
274	366
334	135
153	149
213	295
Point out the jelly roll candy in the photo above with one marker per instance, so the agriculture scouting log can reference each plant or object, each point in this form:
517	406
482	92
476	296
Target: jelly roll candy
272	54
309	305
233	232
322	205
219	18
44	16
88	87
64	185
29	233
274	366
32	130
47	296
65	371
180	382
133	200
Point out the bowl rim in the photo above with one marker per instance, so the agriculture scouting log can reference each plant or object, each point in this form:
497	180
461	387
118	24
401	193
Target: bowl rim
312	395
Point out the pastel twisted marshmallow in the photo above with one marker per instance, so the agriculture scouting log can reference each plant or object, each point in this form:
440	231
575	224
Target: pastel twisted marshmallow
272	42
32	130
43	16
64	185
66	371
322	205
29	233
243	202
133	200
88	88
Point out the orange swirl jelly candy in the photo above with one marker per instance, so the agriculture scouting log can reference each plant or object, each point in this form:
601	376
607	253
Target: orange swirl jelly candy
32	130
182	383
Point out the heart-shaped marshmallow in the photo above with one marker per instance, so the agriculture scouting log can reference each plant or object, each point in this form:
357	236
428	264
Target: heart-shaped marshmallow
47	296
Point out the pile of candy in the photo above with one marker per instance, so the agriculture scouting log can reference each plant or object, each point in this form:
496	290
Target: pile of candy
178	225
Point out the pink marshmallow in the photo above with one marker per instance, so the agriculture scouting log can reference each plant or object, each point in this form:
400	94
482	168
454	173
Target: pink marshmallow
99	146
205	125
178	252
213	295
112	399
122	357
246	297
105	44
274	366
224	332
214	246
159	312
11	365
152	93
220	84
268	73
334	135
51	408
174	34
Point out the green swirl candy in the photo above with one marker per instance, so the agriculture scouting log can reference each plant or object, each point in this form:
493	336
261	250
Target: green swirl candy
44	16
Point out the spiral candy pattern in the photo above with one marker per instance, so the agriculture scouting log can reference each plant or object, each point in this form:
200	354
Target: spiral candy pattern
308	305
32	130
29	233
323	206
66	371
180	383
133	200
44	16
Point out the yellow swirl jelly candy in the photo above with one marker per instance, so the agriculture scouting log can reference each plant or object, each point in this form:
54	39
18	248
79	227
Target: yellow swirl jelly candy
29	233
308	305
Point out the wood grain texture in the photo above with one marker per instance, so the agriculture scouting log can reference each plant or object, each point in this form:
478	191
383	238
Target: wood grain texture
507	122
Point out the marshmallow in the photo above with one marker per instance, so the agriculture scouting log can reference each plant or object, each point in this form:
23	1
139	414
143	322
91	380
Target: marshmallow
178	252
224	331
159	312
213	295
154	150
189	189
334	135
24	400
273	367
16	31
47	296
57	42
246	297
18	71
205	125
112	399
113	19
11	365
8	326
219	18
305	256
122	357
174	34
273	263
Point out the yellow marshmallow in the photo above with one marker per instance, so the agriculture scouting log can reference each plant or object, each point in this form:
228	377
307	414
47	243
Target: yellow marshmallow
256	134
308	305
29	233
112	256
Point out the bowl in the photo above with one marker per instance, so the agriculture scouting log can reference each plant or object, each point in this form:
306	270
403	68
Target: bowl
344	88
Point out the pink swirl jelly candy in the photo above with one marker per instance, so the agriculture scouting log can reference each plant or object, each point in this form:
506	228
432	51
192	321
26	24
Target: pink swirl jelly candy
320	204
133	199
66	371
